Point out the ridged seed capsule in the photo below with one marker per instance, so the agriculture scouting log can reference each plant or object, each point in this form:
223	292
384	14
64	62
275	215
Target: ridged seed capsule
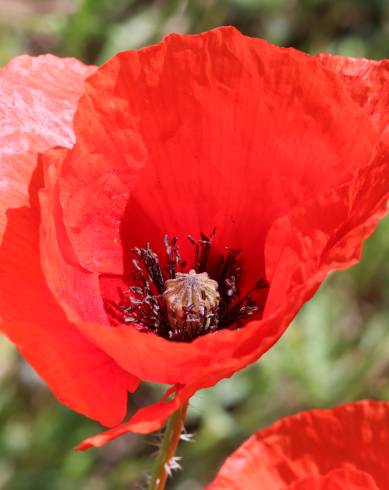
192	301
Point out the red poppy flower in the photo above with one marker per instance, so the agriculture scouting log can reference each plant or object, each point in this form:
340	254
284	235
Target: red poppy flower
343	448
284	154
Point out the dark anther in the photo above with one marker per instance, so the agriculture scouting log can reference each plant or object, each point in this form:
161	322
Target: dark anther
151	262
228	275
202	250
244	307
173	257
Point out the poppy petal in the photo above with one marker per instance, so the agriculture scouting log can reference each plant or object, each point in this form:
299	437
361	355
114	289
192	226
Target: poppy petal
145	420
211	130
38	99
77	290
350	441
328	232
336	480
80	375
367	81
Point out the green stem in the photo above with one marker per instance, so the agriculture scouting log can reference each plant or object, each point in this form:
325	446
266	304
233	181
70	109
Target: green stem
171	439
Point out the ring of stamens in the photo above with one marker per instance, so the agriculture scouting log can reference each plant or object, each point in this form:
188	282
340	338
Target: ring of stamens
181	306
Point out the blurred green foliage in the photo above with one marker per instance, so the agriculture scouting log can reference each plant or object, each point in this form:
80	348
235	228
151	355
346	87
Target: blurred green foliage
336	350
93	30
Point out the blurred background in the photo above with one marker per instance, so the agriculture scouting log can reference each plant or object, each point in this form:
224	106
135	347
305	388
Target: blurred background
336	350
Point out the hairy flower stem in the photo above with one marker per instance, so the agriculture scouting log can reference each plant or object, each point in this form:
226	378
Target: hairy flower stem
170	441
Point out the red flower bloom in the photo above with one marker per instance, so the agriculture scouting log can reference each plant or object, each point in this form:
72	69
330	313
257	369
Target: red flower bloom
284	154
343	448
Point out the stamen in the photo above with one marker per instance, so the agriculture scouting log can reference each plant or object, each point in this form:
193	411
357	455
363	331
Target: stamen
202	250
151	262
181	306
173	257
228	277
245	307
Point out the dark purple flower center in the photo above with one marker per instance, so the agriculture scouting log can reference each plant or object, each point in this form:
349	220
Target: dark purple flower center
181	305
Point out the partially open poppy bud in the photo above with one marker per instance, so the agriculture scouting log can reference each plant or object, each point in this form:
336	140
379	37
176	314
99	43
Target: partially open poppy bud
192	301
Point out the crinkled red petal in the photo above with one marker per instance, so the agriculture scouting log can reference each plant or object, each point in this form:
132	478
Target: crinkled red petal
343	479
38	99
211	130
77	289
367	81
345	447
82	376
145	420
